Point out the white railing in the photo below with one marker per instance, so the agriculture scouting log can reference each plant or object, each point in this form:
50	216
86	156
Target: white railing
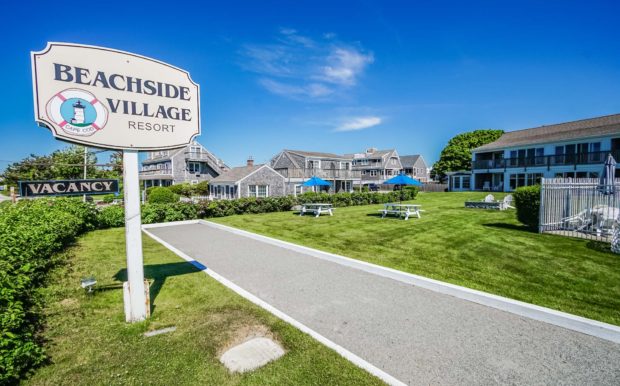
167	172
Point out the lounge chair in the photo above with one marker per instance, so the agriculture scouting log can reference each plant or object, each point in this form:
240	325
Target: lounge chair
506	203
579	222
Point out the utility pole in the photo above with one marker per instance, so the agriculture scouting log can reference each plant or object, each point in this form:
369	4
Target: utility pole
85	166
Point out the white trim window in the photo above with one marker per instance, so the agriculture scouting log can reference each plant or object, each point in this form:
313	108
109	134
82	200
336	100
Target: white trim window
258	191
195	151
314	164
298	190
193	167
373	173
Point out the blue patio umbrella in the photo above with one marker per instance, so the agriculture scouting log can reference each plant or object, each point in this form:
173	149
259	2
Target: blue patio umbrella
606	182
402	179
316	181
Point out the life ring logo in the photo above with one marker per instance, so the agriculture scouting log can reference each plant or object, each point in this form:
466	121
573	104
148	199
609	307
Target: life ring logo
77	112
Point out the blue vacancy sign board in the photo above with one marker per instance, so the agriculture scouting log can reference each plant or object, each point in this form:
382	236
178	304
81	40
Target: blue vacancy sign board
112	99
67	187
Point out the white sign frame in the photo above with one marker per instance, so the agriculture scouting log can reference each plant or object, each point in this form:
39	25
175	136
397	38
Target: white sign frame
44	120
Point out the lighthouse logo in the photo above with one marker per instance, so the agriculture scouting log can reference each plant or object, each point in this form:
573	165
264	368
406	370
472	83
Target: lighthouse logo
77	112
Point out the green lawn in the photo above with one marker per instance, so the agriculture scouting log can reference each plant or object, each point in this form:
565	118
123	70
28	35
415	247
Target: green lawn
89	343
480	249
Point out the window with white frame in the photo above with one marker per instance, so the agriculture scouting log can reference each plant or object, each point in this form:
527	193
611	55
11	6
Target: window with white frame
258	191
193	167
195	151
314	164
299	190
373	173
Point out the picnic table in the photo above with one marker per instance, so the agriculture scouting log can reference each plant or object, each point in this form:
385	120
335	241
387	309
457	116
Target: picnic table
317	209
401	210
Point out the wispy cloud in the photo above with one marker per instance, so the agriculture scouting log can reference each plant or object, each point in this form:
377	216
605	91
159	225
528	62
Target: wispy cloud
301	67
358	123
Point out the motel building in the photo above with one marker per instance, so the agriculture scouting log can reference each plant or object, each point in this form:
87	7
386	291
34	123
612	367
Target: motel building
575	149
191	164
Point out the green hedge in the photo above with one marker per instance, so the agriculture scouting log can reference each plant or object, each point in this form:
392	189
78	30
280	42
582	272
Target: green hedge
31	233
113	216
527	202
220	208
359	198
161	195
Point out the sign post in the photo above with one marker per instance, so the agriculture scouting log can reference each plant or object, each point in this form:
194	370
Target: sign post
111	99
133	238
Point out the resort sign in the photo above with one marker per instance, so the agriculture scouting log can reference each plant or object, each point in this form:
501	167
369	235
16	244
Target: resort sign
112	99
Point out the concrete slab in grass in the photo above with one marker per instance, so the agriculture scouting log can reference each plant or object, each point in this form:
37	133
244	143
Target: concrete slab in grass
251	355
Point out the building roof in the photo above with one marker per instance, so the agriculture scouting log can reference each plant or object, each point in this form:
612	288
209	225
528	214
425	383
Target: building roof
409	160
374	154
593	127
314	154
236	174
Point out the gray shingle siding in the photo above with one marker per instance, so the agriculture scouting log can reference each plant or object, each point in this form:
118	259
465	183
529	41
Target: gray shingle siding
264	176
209	165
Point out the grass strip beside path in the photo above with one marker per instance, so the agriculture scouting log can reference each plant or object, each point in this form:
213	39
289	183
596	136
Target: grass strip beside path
480	249
89	342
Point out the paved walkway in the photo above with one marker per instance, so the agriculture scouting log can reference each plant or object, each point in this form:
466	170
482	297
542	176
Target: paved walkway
418	336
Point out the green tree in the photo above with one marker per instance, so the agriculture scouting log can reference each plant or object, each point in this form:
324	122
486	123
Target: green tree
184	189
457	154
202	188
67	163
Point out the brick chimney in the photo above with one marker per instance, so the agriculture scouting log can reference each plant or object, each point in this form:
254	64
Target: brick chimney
250	161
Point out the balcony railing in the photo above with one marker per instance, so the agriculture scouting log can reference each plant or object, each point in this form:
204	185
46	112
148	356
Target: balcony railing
546	160
195	155
157	156
341	174
166	172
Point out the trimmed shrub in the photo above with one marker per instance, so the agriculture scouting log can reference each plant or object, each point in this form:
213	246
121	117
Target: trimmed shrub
527	202
108	198
161	195
185	189
359	198
31	233
202	188
111	217
179	211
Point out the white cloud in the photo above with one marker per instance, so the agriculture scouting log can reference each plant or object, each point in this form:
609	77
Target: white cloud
358	123
300	67
312	90
345	64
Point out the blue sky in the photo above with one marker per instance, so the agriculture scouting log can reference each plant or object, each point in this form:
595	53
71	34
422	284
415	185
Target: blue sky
338	76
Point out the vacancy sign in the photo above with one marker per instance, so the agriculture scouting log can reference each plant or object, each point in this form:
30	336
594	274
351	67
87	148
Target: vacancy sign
112	99
67	187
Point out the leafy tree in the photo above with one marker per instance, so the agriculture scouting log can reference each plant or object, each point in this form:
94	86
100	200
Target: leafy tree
184	189
67	163
202	188
457	154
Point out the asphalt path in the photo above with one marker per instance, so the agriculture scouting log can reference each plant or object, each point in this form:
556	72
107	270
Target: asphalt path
419	336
